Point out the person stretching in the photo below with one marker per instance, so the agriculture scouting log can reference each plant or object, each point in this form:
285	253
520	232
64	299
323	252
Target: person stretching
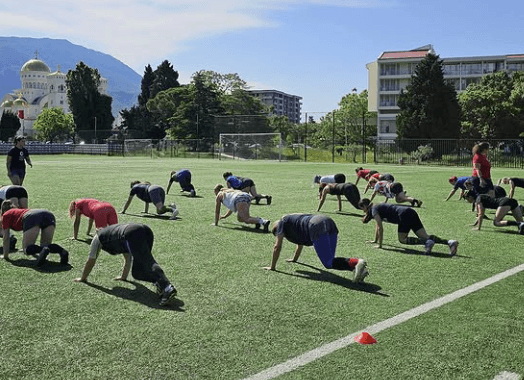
102	213
349	190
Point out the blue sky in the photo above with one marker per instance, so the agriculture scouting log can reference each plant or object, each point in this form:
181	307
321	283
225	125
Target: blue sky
311	48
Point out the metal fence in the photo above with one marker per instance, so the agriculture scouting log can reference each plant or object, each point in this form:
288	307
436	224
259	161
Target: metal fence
448	152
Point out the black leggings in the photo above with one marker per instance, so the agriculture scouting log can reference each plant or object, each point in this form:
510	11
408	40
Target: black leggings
352	195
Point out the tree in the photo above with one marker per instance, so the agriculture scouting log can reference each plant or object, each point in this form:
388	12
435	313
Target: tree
164	78
91	110
353	118
494	108
428	107
9	124
53	124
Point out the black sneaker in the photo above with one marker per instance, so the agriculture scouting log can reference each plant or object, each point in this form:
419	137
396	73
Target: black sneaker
42	257
269	199
257	199
257	226
12	243
266	226
521	228
64	257
167	294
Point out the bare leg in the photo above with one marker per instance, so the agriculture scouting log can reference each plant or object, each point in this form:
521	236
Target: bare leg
243	214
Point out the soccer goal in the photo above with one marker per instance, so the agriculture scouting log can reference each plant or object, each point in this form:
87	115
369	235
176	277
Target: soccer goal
251	146
138	147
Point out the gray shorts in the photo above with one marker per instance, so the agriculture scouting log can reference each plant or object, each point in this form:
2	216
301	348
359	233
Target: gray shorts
157	194
40	218
242	198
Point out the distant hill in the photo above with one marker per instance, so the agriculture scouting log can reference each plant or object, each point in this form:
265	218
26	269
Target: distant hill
123	82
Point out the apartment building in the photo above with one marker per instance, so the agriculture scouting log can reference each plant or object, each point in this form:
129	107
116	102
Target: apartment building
283	104
392	71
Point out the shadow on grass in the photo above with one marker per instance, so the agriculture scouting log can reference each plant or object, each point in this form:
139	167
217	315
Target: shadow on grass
243	227
343	213
411	251
49	267
504	231
154	216
140	294
187	195
325	276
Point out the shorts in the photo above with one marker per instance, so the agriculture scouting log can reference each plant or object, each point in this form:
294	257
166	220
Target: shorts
104	215
247	183
241	198
396	188
157	194
387	177
409	220
340	178
18	172
482	189
16	192
512	203
40	218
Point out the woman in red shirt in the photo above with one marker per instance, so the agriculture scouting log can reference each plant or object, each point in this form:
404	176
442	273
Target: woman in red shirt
102	213
31	222
482	182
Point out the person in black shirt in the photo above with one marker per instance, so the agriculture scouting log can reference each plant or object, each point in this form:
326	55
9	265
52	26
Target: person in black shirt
407	220
513	182
320	232
134	242
150	194
503	205
349	190
16	159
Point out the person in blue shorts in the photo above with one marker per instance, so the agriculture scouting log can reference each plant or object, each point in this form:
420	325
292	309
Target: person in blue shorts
135	243
150	194
319	231
407	220
183	177
458	183
16	159
513	182
246	185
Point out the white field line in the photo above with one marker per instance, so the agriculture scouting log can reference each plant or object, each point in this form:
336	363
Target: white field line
329	348
507	376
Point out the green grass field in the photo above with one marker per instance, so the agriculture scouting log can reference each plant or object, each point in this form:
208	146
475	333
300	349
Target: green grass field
232	319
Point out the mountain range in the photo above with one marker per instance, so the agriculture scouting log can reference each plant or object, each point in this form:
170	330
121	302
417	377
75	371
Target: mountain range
123	82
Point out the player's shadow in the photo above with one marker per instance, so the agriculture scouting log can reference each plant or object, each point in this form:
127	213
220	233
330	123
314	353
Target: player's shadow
325	276
411	251
140	294
347	213
87	240
244	228
50	266
165	216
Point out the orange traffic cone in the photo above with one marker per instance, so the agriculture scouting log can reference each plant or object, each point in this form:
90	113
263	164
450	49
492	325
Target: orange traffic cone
365	338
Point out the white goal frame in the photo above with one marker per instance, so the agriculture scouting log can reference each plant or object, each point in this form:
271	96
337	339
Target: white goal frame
251	141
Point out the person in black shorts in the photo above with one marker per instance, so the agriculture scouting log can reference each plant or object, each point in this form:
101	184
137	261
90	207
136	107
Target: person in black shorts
246	185
323	180
349	190
16	194
320	232
393	190
150	194
183	177
407	219
135	243
503	205
16	159
32	223
513	182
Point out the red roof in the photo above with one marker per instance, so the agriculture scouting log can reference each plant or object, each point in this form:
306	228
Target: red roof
404	54
516	56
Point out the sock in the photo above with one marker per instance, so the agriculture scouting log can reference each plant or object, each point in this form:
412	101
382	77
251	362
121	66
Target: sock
512	223
33	249
438	240
261	221
413	240
341	263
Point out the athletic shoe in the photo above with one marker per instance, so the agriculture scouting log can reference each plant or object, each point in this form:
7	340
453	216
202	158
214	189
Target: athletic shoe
453	244
64	257
360	271
419	203
521	228
167	294
12	243
257	199
42	257
269	199
257	226
159	289
266	226
429	246
192	193
175	213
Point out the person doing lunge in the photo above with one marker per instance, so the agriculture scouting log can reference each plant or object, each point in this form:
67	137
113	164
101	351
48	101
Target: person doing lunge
503	205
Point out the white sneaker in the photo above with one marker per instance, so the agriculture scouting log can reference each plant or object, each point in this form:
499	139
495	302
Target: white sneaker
360	271
429	246
175	213
453	244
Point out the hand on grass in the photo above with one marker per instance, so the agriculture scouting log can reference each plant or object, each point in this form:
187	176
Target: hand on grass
120	278
79	279
291	261
268	268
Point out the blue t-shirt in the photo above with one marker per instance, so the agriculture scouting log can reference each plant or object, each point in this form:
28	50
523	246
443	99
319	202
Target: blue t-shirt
235	182
460	183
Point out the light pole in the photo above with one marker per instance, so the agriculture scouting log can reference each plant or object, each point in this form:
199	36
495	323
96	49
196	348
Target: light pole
95	129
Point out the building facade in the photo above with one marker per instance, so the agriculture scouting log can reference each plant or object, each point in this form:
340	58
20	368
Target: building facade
283	104
40	89
392	71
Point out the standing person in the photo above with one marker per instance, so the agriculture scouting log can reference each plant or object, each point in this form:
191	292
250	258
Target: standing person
481	177
246	185
236	201
16	159
364	173
394	190
513	182
407	219
183	177
323	180
320	232
135	243
349	190
503	206
102	213
457	183
150	194
16	194
31	222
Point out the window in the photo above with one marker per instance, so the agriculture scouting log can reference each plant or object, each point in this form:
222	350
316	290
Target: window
388	126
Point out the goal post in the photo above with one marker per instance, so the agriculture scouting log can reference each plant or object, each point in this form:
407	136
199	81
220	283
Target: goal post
138	147
250	146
